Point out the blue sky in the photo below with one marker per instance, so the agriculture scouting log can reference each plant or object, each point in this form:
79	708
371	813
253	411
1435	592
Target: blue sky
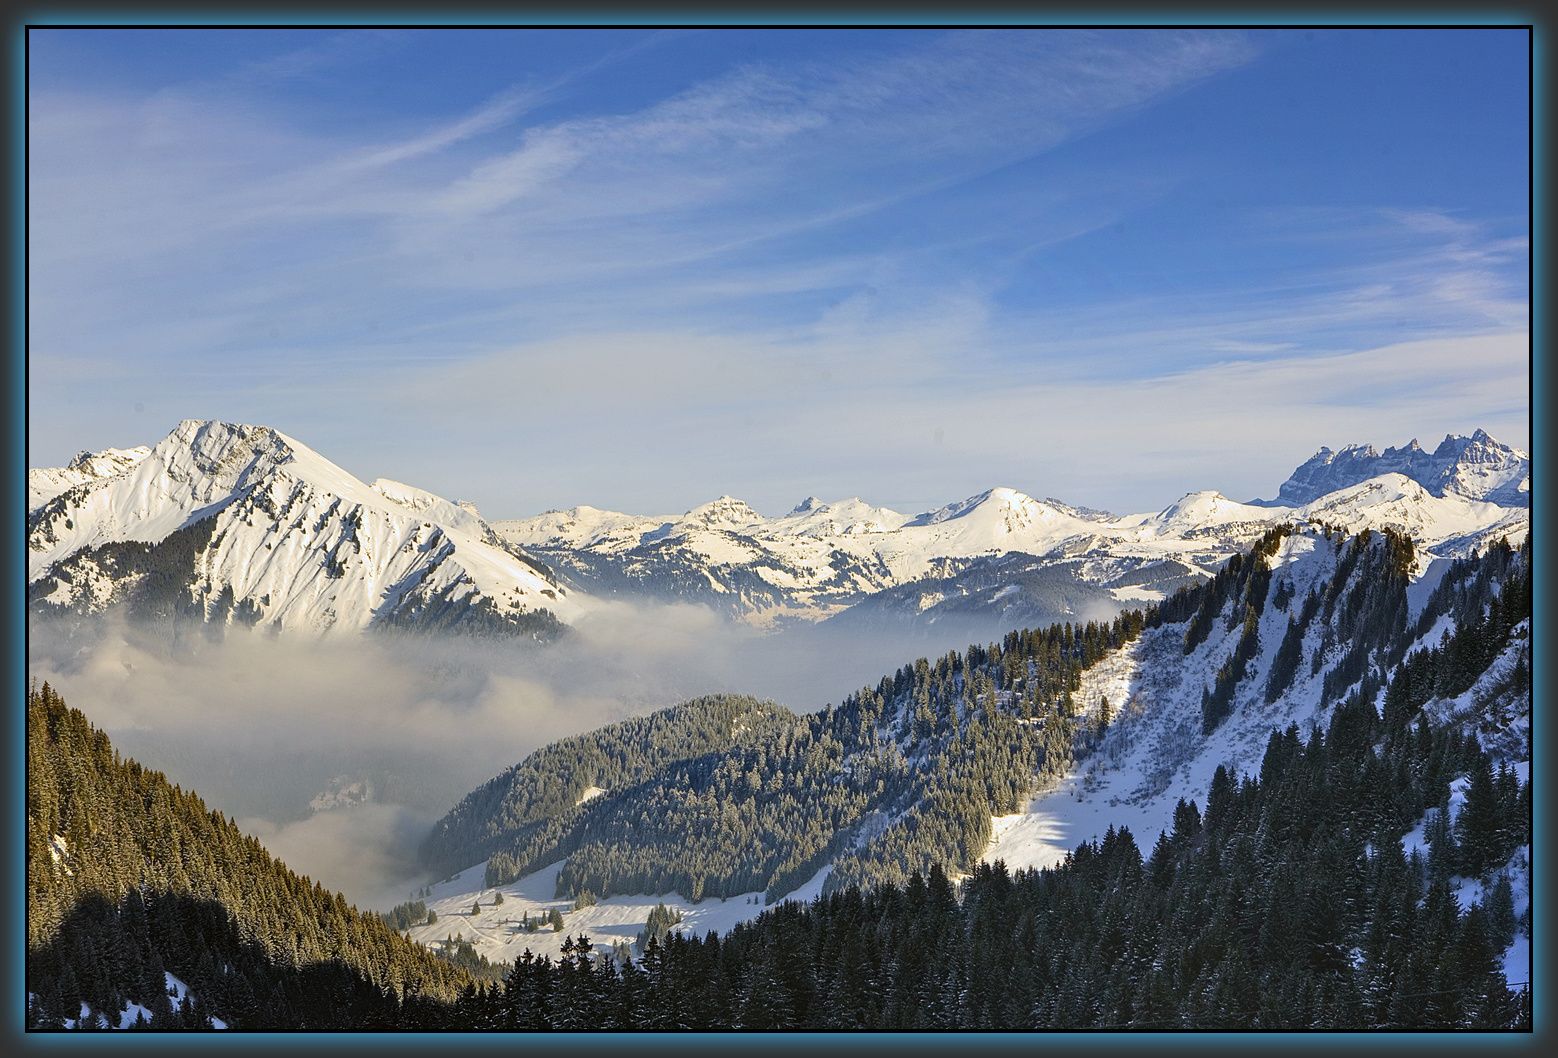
639	269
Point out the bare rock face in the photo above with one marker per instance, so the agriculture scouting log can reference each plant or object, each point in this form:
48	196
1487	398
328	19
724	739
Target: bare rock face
1474	468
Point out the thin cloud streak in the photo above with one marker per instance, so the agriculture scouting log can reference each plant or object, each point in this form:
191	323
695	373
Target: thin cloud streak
773	248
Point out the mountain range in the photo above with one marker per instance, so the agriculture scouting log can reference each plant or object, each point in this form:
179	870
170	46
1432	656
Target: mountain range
220	522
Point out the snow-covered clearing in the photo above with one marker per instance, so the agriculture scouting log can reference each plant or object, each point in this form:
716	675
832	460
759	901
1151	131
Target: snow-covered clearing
499	934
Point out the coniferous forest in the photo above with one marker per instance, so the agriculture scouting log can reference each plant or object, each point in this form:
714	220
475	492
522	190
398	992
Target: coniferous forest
725	795
1269	909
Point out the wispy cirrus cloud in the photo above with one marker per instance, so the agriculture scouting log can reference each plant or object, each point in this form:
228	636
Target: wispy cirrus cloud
741	156
762	152
867	246
185	227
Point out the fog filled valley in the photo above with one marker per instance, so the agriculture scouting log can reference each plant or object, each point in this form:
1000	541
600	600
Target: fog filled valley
339	753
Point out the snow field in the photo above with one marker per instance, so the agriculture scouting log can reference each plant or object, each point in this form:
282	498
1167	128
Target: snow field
1154	753
498	933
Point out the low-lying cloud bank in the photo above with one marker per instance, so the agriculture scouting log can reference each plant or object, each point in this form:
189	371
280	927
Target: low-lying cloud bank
262	725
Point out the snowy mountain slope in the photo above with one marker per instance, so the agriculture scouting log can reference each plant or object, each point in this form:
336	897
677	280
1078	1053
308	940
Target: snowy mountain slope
980	599
462	516
820	559
1515	960
1451	525
45	483
229	522
1474	468
1155	753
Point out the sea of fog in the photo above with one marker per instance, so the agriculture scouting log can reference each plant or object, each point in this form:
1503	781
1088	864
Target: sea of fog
339	753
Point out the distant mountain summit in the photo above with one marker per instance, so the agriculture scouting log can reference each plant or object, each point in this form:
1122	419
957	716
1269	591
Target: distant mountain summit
1474	468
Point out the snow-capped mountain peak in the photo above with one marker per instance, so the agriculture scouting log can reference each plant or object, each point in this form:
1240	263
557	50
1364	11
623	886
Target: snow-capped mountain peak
1201	510
851	517
724	512
1453	445
1205	502
1015	510
197	466
244	522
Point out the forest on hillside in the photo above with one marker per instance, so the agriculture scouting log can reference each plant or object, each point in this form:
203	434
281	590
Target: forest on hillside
1288	901
130	878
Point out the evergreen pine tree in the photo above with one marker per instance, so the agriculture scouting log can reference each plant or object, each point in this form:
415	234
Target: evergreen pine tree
1478	827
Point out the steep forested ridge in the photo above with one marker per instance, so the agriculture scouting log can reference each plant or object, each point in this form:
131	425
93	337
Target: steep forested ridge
1287	904
130	878
897	777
